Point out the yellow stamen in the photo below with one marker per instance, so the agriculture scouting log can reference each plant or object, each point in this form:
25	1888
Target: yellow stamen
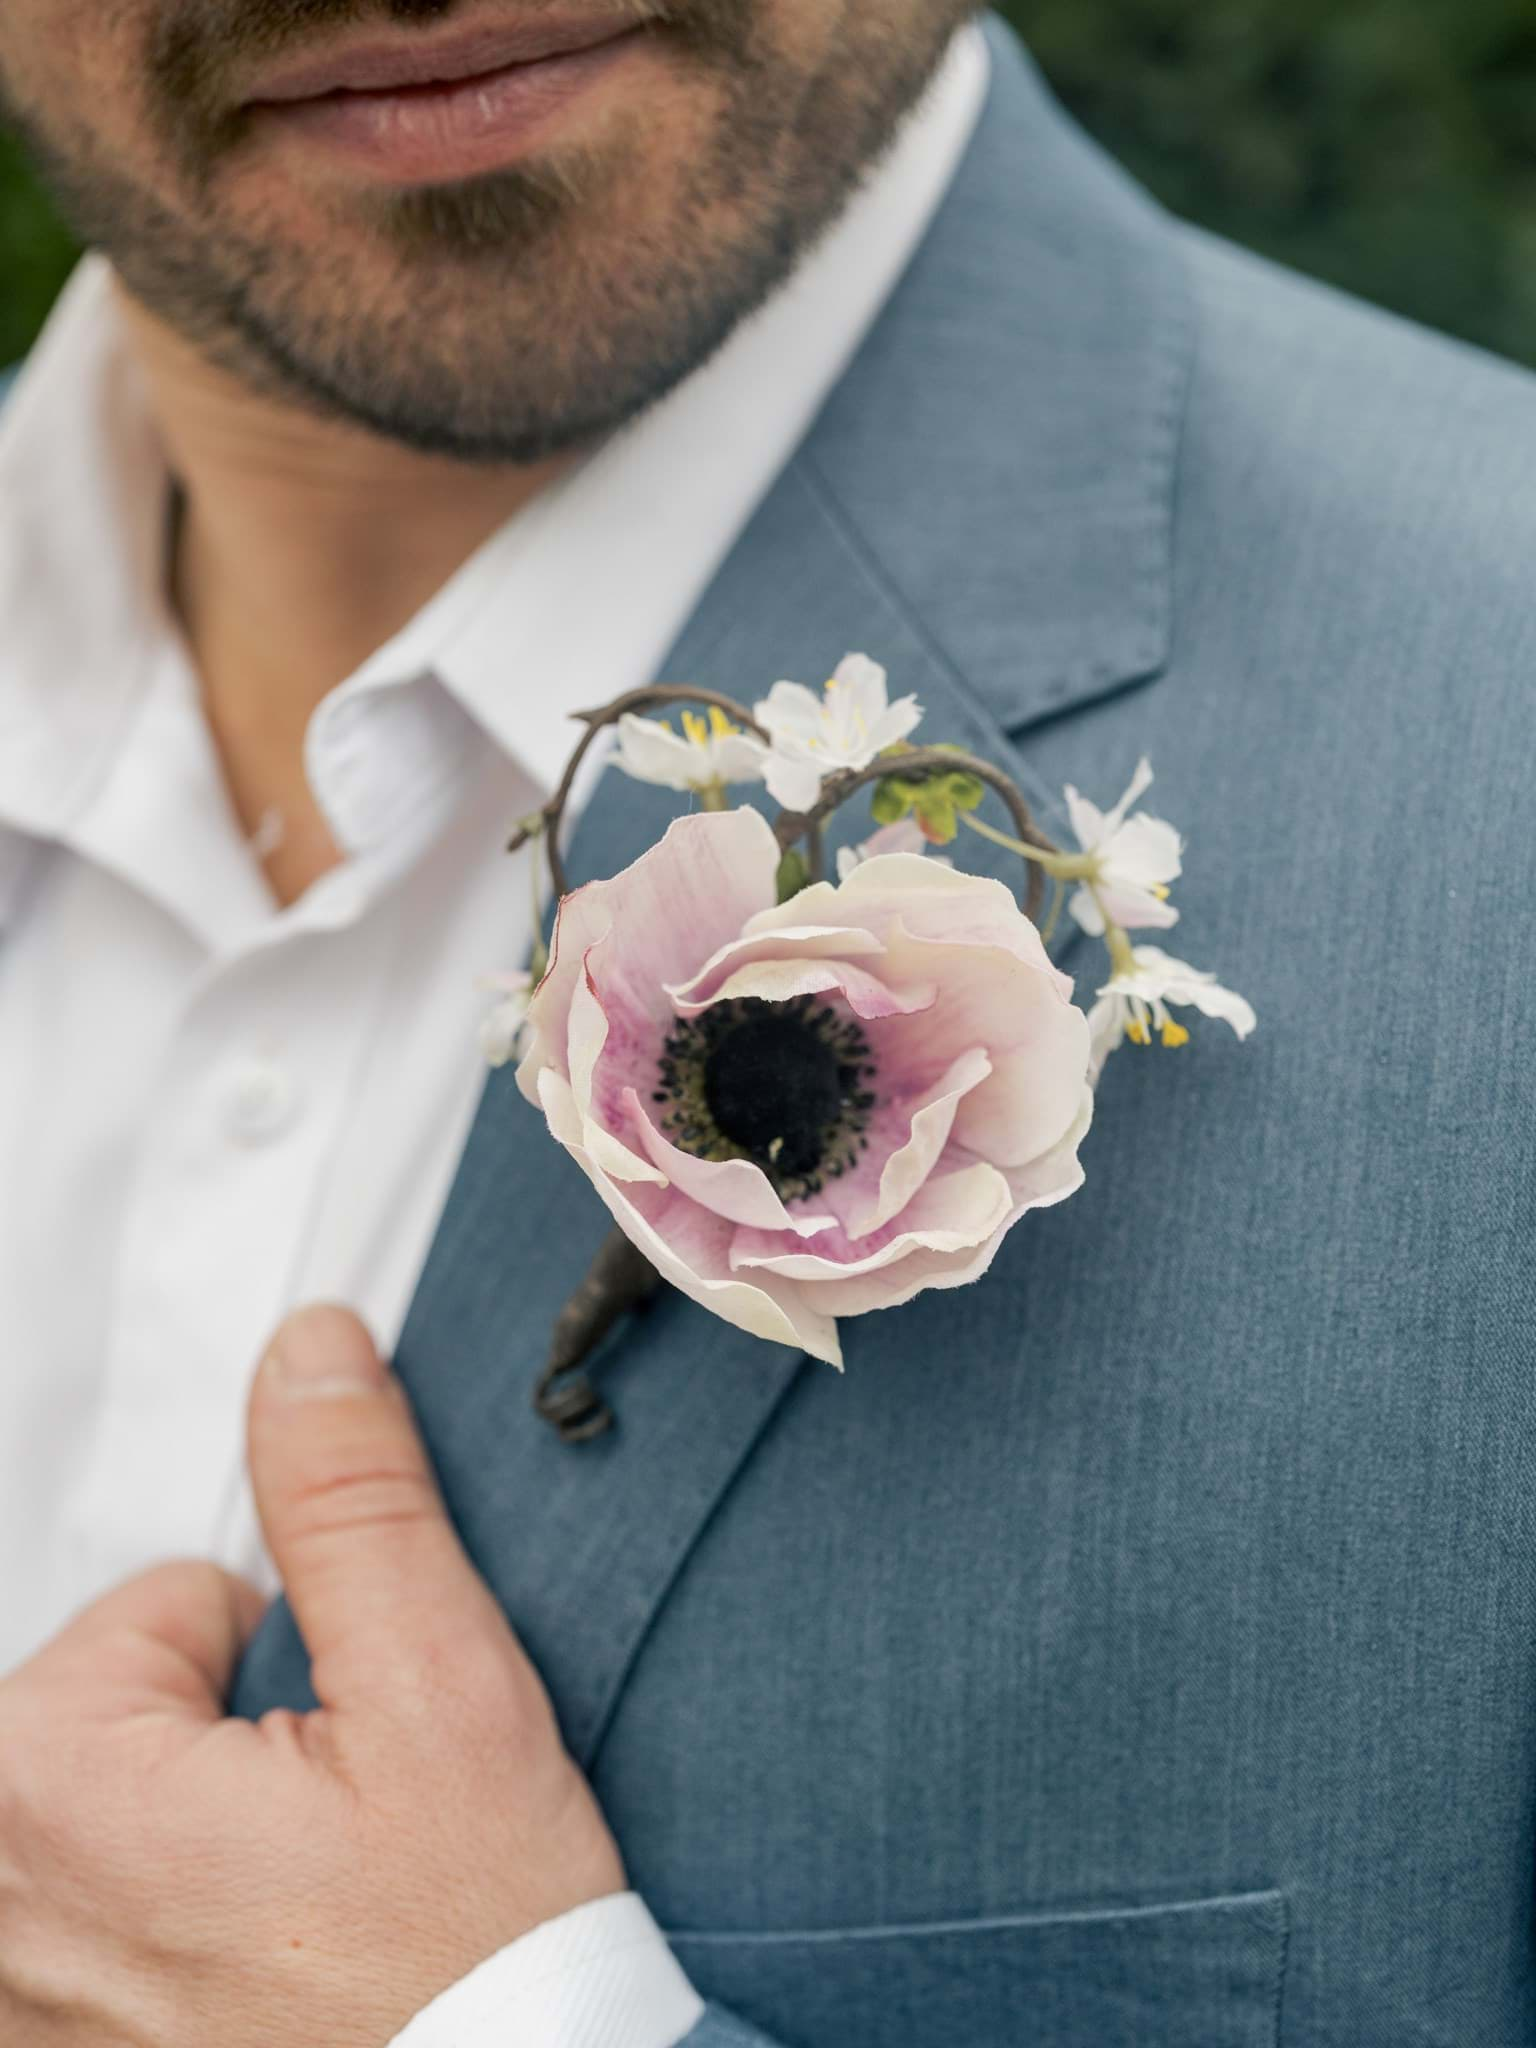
719	724
696	728
1174	1034
1161	891
1138	1033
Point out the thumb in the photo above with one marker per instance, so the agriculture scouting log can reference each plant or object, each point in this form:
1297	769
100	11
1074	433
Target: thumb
378	1581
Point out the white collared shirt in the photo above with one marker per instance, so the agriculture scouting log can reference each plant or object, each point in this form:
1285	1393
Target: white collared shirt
213	1109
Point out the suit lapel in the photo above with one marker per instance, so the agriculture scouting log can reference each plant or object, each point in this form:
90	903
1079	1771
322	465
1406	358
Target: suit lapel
581	1545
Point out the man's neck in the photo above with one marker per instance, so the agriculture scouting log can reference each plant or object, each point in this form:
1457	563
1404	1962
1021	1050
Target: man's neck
303	544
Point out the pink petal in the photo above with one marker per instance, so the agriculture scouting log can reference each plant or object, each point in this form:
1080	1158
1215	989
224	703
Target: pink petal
690	1246
951	1212
1027	1102
677	904
588	1038
988	996
926	899
791	942
732	1188
1041	1185
780	981
906	1169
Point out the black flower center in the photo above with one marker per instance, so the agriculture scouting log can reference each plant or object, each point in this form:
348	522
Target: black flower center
785	1085
773	1086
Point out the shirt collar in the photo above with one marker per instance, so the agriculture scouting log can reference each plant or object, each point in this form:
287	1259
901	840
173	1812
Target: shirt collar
573	601
84	494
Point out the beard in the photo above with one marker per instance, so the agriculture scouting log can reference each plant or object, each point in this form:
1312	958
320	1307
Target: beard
516	316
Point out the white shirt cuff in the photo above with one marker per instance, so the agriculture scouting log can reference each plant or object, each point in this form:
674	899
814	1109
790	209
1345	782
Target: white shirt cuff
600	1977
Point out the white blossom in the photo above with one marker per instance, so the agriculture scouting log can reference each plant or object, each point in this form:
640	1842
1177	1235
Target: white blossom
1135	858
707	754
503	1034
1135	1002
905	836
846	727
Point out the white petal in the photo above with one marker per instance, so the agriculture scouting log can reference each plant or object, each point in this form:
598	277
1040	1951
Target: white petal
904	716
1139	782
1211	1000
1158	976
1152	971
1086	911
791	711
737	757
1144	851
650	753
1087	819
502	1031
1135	910
865	681
1106	1031
794	783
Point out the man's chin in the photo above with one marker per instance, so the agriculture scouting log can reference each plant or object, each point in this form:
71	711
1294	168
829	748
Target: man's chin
426	369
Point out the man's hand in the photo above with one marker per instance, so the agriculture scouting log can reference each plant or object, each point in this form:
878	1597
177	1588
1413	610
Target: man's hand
170	1878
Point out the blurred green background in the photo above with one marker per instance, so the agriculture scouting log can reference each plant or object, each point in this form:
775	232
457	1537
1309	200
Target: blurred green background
1387	145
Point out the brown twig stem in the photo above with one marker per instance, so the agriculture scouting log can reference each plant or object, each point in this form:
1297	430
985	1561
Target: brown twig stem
654	697
619	1279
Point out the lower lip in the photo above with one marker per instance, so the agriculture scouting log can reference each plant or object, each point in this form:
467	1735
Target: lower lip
425	134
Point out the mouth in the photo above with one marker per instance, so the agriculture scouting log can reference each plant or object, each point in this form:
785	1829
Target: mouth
443	107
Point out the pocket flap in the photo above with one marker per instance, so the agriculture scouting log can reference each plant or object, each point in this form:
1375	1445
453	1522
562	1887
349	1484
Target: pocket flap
1202	1975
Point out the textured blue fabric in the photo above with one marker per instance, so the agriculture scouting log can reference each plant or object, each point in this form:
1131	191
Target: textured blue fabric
1141	1646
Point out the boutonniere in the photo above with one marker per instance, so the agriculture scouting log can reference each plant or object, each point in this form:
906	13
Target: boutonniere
803	1097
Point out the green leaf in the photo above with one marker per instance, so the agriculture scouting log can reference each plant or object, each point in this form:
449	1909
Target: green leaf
891	801
936	814
794	874
934	798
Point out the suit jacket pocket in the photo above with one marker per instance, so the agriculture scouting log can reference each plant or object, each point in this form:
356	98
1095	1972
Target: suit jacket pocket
1200	1975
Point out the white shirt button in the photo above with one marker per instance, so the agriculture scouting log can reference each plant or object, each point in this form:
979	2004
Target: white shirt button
260	1100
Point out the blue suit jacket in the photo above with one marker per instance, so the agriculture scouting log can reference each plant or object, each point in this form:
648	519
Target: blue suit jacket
1140	1647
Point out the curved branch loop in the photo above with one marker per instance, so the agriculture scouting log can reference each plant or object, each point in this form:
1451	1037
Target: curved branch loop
596	722
917	763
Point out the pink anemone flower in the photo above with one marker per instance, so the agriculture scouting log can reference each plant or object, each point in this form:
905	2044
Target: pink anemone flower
809	1110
